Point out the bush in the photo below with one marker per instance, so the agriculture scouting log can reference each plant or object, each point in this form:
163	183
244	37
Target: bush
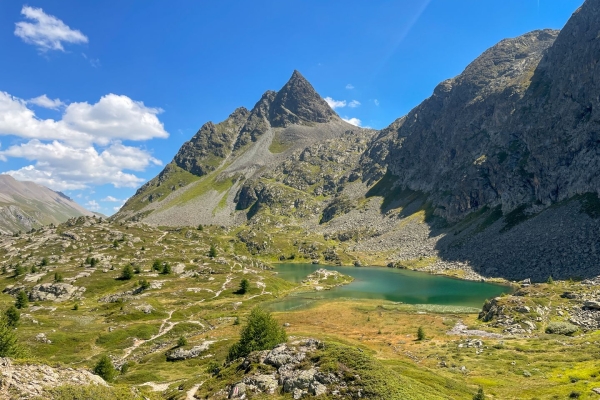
137	269
550	281
213	251
261	332
12	316
561	328
213	368
45	261
166	270
126	273
58	277
182	341
144	284
420	333
19	270
105	368
22	300
480	395
244	286
9	346
156	265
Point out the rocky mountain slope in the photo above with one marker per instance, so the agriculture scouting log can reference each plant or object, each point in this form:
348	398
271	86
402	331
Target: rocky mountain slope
27	205
496	174
227	167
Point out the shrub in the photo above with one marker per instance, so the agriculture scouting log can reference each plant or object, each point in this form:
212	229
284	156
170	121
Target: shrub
561	328
244	286
9	346
213	251
182	341
58	277
19	270
12	316
45	261
137	269
156	265
75	307
420	333
144	284
105	368
479	395
126	273
22	300
166	269
261	332
213	368
550	281
93	262
200	227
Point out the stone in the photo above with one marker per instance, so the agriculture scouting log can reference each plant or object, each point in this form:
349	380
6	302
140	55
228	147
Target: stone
182	354
55	292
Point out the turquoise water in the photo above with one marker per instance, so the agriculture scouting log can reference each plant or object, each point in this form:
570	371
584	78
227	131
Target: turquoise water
391	284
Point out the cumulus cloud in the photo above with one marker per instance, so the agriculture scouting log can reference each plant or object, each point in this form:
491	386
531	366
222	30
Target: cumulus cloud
335	103
376	102
46	32
113	117
63	167
46	102
349	86
110	199
354	104
92	205
353	121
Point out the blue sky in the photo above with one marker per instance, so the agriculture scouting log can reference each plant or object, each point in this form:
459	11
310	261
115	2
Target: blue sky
97	96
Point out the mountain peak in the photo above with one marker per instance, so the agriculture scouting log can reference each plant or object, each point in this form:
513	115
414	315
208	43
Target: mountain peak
298	103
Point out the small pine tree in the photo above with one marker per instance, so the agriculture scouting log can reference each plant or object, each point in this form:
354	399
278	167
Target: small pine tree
479	395
19	270
144	284
420	333
22	300
244	286
34	269
166	269
58	277
115	243
12	316
88	260
126	273
93	262
9	346
105	368
45	261
182	341
200	227
213	251
156	265
550	280
76	307
261	332
137	269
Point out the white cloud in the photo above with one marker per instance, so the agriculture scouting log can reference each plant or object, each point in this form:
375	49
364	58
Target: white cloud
110	199
46	102
92	205
117	208
335	103
94	62
354	104
376	102
353	121
64	167
113	117
349	86
46	31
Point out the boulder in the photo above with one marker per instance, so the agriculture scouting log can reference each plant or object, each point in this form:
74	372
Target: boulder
55	292
182	354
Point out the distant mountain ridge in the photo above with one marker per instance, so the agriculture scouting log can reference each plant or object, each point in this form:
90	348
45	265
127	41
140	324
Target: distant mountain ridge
27	205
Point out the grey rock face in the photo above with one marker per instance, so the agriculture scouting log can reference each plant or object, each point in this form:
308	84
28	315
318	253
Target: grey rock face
298	103
55	292
182	354
449	145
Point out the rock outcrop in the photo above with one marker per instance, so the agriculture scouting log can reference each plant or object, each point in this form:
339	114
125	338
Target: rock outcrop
55	292
24	381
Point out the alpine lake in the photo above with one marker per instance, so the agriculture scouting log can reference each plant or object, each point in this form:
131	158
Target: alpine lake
389	284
